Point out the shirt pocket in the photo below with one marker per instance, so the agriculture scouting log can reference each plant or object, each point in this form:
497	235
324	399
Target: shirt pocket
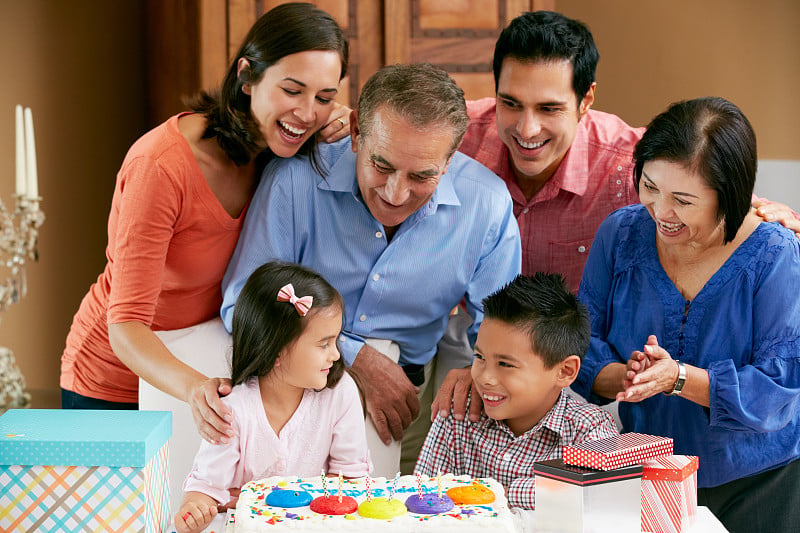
568	258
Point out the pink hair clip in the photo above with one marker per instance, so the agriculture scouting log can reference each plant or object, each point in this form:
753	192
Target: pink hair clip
302	304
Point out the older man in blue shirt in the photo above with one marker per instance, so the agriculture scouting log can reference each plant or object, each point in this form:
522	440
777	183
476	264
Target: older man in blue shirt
401	224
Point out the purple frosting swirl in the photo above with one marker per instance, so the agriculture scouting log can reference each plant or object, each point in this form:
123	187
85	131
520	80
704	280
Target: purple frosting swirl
429	504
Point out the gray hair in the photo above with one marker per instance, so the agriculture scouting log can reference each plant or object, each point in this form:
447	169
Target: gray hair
421	93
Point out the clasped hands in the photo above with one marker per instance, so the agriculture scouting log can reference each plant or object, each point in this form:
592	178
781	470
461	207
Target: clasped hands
648	372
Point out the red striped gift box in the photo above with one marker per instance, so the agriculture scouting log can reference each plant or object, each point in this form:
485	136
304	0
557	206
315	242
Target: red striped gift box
669	494
616	452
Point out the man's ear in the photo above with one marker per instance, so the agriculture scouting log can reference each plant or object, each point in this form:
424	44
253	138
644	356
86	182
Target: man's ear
587	101
568	370
355	133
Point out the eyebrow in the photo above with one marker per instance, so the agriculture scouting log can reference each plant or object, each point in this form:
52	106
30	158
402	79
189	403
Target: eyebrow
502	357
674	193
300	83
375	158
554	103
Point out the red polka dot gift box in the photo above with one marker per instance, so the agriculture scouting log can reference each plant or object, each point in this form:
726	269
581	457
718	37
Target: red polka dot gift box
669	493
617	452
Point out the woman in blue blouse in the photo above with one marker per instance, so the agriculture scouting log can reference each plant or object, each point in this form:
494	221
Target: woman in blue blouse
695	308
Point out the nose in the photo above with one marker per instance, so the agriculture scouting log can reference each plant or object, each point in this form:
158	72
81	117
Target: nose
483	375
336	354
662	208
528	125
305	110
395	191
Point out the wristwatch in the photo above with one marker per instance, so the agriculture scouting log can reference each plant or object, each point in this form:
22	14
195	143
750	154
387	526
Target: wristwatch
678	387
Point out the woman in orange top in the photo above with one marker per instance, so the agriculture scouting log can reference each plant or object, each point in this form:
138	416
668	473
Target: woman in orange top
178	207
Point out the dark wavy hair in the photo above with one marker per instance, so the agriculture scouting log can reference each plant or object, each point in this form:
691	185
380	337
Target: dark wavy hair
541	36
542	305
712	137
284	30
263	326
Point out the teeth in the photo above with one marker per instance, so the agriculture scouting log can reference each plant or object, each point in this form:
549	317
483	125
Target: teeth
530	146
290	129
670	228
492	398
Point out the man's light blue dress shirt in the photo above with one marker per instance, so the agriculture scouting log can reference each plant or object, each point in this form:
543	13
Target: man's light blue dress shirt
464	243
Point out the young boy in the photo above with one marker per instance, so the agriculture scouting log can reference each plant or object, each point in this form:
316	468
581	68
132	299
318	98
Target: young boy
530	346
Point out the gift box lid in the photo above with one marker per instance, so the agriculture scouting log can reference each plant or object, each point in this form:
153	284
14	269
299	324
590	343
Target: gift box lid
670	467
82	437
577	475
618	451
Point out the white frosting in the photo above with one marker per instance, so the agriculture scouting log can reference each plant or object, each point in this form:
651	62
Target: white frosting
252	514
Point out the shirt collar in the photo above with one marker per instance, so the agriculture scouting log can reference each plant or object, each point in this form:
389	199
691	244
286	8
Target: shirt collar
572	174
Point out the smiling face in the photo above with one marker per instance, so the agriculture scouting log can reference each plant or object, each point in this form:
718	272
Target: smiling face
294	98
537	115
398	166
681	203
512	380
306	363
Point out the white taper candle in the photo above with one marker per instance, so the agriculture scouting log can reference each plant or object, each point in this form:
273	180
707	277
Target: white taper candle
30	150
22	178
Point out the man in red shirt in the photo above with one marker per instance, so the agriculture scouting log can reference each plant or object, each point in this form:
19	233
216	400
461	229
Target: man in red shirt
566	165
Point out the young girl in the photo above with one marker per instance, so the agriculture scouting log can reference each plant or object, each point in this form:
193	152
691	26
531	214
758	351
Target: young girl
295	410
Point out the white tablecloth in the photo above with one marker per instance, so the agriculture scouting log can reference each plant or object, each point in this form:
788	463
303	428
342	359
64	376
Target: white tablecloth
706	522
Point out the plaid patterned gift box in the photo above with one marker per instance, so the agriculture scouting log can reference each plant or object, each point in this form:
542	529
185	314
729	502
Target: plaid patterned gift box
573	499
616	452
669	493
78	471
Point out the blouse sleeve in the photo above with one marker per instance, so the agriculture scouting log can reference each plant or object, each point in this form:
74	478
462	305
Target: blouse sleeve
764	395
594	291
214	468
148	203
349	454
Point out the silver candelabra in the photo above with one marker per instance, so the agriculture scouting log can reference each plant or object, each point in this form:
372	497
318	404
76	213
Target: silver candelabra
19	232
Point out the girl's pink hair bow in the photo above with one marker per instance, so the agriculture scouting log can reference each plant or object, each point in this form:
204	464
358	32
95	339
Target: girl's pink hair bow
302	304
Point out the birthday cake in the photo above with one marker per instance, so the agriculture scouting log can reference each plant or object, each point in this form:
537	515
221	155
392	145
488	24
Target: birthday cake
407	504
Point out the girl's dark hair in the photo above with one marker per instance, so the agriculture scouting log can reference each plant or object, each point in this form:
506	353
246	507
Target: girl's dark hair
284	30
263	326
712	137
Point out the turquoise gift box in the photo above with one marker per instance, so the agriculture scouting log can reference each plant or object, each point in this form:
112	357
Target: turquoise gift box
83	470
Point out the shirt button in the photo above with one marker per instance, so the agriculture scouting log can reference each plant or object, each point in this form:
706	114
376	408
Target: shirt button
378	234
619	168
619	195
376	277
362	318
507	457
619	182
581	249
525	210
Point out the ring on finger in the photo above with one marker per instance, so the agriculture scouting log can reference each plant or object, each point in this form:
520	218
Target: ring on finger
186	515
342	121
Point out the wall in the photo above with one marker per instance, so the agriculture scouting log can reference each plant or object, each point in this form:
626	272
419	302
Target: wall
79	66
655	53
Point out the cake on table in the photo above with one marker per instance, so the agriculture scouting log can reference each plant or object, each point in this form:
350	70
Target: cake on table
406	504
